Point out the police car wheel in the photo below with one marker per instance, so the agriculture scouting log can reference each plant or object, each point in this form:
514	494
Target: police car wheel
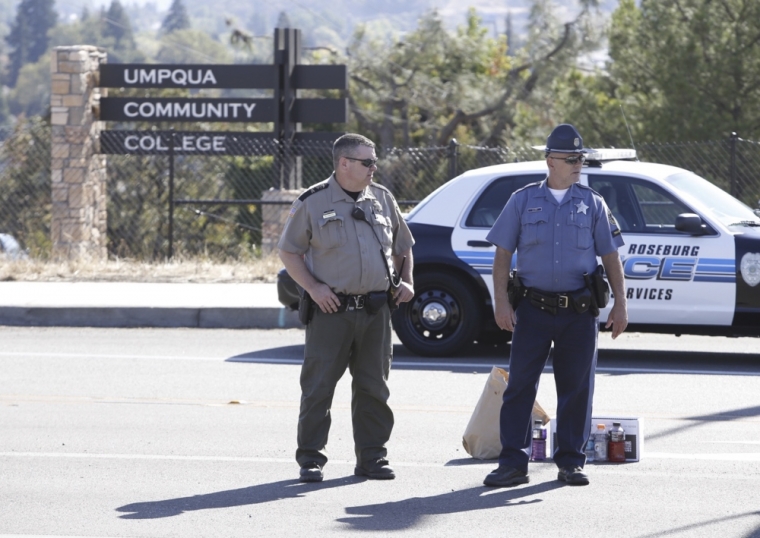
441	319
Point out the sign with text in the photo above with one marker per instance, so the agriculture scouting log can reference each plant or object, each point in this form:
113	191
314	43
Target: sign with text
218	110
312	77
180	109
197	142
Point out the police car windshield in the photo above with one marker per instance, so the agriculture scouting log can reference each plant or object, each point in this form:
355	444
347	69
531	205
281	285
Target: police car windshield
721	205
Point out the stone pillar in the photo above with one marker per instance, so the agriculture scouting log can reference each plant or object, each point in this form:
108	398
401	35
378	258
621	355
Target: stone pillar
78	226
274	217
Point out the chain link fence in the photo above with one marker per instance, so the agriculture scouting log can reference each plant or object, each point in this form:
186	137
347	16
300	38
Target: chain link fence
215	208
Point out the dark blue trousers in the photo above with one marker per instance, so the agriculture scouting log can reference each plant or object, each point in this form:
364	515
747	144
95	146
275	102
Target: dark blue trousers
575	351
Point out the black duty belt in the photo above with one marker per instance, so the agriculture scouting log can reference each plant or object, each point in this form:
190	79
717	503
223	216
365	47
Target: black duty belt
351	302
372	301
579	300
550	299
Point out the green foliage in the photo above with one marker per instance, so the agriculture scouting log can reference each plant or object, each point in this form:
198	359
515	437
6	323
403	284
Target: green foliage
432	84
117	26
25	188
191	46
110	30
31	96
28	37
176	19
687	69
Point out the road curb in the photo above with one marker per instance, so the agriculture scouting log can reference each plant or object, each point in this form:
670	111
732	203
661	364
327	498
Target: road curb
204	318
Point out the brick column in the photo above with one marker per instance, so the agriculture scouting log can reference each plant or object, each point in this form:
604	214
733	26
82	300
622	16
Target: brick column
274	217
78	226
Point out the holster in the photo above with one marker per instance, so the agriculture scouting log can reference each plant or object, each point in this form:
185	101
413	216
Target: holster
515	290
600	290
375	301
305	308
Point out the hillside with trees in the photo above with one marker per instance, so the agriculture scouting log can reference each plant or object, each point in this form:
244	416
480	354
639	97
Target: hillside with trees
677	70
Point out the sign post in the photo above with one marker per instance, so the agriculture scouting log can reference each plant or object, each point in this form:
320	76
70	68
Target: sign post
285	110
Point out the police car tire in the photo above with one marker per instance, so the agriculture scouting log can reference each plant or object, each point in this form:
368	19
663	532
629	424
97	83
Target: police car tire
459	326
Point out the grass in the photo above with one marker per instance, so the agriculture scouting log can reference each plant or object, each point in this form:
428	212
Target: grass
258	269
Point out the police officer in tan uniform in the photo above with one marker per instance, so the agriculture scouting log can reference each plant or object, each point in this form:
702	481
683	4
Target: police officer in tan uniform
344	243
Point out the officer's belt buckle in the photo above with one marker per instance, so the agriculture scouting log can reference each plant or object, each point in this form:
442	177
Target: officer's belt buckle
563	301
358	301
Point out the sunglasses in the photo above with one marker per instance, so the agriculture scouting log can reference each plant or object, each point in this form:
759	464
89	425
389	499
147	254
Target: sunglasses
366	163
571	160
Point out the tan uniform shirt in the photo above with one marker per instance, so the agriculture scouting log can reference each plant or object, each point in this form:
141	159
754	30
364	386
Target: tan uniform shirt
341	251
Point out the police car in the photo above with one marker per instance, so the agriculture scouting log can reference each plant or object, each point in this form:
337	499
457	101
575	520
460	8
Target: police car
691	256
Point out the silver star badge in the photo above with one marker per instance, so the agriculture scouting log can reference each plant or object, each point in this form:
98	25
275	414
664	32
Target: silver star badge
581	207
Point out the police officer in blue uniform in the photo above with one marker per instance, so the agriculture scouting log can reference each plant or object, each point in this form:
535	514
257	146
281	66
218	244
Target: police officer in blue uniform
559	227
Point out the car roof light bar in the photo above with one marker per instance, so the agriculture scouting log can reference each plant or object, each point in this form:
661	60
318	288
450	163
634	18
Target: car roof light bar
610	154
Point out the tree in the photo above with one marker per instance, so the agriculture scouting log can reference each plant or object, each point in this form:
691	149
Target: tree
99	30
432	84
684	70
117	26
176	19
28	36
191	46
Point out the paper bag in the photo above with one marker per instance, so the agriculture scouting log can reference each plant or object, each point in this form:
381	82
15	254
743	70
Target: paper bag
481	437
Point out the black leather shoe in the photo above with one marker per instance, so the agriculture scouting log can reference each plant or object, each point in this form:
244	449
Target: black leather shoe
504	476
573	476
377	469
311	472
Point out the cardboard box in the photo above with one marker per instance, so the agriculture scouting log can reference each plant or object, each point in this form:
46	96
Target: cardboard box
634	434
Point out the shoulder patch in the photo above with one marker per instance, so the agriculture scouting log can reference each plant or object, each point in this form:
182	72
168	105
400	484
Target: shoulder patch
311	190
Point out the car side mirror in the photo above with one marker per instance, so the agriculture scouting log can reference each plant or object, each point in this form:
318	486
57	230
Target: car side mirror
691	223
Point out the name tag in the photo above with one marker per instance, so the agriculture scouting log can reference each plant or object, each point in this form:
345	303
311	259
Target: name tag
329	214
535	209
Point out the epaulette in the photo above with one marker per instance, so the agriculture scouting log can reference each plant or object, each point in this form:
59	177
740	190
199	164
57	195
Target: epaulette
534	184
311	190
381	187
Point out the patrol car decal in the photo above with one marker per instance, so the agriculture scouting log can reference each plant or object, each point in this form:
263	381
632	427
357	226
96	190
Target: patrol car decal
685	269
482	262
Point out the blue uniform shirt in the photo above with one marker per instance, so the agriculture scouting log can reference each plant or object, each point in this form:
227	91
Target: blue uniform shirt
556	242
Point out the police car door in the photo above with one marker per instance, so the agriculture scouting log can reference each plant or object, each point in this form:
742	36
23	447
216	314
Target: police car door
468	239
672	277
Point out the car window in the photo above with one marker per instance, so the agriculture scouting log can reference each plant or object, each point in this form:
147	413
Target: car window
658	208
640	206
494	197
619	198
718	202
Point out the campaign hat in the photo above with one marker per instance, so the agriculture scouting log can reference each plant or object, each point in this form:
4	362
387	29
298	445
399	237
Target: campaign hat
565	138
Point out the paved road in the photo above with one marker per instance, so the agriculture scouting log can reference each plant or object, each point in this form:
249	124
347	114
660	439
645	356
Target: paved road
191	432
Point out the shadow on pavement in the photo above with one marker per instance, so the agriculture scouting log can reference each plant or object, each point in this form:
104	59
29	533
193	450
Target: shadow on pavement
401	356
480	358
262	493
699	527
401	515
460	462
701	420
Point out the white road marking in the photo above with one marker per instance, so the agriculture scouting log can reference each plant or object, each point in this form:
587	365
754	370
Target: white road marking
746	456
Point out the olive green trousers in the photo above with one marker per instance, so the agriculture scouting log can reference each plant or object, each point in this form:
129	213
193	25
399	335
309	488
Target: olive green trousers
361	343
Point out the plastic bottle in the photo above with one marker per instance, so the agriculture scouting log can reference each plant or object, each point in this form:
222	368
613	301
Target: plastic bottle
590	448
538	443
616	448
600	443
